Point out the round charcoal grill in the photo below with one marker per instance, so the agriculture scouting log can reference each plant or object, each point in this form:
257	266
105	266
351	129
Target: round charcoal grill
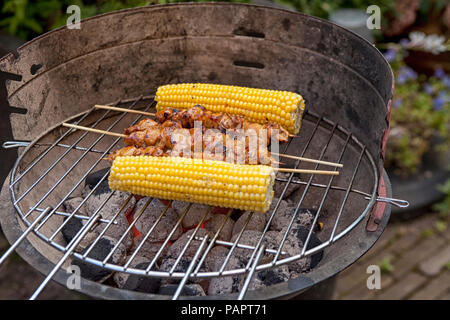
346	83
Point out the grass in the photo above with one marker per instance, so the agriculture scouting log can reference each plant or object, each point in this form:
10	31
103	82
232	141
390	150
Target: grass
441	226
426	233
385	265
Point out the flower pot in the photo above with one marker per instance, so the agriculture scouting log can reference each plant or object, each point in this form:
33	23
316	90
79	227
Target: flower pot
427	63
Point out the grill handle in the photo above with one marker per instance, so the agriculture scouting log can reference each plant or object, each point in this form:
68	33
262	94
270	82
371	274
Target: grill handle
15	144
399	203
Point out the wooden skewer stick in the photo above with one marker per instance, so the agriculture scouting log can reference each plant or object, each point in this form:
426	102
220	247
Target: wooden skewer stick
325	172
120	135
74	126
308	159
99	106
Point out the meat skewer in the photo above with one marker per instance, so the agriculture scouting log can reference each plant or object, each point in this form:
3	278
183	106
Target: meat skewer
173	140
208	119
141	140
69	125
174	115
221	121
157	152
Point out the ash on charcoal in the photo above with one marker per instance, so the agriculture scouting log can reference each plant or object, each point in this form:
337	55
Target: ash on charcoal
177	247
72	203
73	226
169	262
250	238
228	284
194	215
179	206
279	185
294	245
268	277
150	248
271	241
214	224
182	266
273	276
257	222
302	233
282	218
283	206
99	252
150	216
137	282
108	211
175	251
218	253
225	285
188	290
120	278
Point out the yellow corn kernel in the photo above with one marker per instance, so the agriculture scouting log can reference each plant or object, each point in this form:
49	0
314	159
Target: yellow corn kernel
245	187
257	105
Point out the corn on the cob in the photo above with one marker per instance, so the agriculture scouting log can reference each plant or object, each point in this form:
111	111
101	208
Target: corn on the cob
216	183
257	105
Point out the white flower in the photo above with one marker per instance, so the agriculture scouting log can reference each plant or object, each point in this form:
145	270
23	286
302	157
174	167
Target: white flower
431	43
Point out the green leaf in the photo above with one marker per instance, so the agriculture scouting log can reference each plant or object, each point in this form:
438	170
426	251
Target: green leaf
386	265
33	25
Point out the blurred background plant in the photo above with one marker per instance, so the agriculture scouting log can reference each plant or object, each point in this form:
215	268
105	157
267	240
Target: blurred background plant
27	19
421	111
324	9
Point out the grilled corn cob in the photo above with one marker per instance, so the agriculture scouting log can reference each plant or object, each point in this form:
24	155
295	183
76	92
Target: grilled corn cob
257	105
216	183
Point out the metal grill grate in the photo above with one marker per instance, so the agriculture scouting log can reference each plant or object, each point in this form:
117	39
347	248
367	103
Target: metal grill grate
53	168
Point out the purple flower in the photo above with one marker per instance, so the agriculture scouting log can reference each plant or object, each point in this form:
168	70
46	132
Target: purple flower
411	73
397	103
390	55
444	95
438	103
404	42
439	73
446	81
428	88
405	74
401	78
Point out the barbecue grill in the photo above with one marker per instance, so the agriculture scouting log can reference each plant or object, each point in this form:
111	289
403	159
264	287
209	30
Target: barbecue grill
121	58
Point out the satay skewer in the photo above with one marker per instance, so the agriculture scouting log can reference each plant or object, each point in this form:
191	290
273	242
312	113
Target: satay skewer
327	163
339	165
108	133
144	113
121	135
